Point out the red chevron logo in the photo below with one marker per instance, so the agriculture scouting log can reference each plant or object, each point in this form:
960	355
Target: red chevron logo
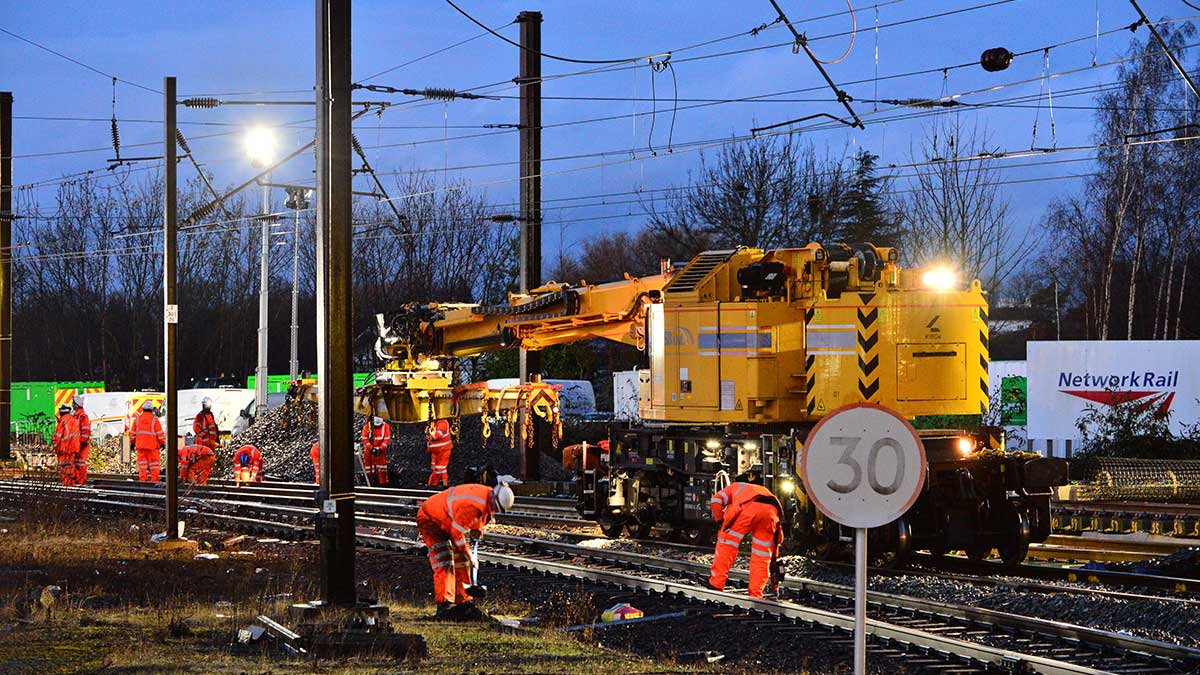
1161	400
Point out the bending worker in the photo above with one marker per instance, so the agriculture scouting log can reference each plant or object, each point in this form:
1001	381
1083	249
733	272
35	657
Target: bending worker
746	509
204	427
148	441
85	440
196	463
445	521
376	437
437	435
66	444
247	465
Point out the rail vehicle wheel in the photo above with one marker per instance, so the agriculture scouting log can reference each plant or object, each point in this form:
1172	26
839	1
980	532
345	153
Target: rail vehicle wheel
611	528
640	530
1016	539
899	545
693	536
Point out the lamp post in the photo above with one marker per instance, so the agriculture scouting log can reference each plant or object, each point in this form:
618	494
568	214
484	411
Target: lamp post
297	200
260	146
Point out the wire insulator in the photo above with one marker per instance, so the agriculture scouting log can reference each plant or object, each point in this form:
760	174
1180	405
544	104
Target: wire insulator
202	102
116	138
357	146
182	141
439	94
203	211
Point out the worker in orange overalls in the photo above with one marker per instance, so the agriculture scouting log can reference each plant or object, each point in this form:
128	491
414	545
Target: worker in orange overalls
204	427
85	440
316	459
376	437
247	465
66	444
437	436
196	463
148	441
445	521
746	509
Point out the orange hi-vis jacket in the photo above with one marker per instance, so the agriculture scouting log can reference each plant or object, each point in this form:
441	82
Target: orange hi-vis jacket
66	436
204	429
728	503
85	426
459	511
439	438
375	440
147	432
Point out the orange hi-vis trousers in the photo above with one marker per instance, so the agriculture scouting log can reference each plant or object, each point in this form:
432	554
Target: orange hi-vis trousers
451	569
759	521
439	462
148	465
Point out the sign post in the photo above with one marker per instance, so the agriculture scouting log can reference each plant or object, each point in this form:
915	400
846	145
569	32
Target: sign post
863	466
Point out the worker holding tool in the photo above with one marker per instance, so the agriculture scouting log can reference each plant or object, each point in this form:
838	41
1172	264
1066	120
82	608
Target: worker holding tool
85	439
747	509
148	441
376	437
196	463
439	444
451	523
316	460
247	465
204	427
66	444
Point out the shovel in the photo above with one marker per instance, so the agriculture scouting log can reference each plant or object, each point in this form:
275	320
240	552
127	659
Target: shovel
475	589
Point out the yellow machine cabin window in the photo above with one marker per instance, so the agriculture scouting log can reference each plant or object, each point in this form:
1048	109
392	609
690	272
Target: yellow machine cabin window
931	371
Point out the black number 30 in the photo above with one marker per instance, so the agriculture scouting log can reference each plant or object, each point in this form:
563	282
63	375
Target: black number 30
850	444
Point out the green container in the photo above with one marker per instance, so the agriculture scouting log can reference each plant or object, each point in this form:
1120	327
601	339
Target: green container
33	405
278	384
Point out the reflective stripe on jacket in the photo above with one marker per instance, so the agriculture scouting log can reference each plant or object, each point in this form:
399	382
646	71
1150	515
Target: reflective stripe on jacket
147	432
376	438
727	503
85	426
459	511
204	428
439	439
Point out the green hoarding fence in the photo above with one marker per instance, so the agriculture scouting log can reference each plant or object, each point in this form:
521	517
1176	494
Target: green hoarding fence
33	405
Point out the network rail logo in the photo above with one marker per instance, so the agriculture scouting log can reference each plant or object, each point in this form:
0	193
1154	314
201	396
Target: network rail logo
1149	389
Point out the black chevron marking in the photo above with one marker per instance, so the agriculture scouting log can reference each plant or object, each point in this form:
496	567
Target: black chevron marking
866	298
868	367
812	405
983	386
812	381
983	314
868	390
809	361
983	362
866	319
868	343
983	339
808	315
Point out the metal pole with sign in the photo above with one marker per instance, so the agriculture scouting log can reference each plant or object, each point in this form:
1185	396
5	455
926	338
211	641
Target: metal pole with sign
863	466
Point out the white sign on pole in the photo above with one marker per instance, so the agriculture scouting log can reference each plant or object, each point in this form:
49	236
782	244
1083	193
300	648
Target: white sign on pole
863	466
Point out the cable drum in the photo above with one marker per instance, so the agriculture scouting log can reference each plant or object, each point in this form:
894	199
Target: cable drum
1158	480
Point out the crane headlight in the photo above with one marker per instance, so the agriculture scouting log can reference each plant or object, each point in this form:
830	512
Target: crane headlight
787	486
939	279
965	445
750	445
713	445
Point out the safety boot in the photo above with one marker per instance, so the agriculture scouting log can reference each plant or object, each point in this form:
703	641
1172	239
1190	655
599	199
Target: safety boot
444	612
467	611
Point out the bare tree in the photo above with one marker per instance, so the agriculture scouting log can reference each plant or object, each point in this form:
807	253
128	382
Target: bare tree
956	214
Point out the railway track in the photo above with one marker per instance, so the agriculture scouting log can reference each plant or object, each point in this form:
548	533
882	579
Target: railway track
944	637
1175	520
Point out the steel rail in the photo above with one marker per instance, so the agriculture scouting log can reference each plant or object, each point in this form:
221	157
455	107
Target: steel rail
968	615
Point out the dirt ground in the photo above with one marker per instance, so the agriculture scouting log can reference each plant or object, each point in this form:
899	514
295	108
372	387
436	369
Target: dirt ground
124	609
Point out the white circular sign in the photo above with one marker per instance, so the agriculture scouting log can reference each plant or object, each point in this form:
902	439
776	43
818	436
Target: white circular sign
863	465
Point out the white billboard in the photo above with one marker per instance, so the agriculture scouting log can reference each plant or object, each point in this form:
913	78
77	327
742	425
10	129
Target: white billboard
1064	378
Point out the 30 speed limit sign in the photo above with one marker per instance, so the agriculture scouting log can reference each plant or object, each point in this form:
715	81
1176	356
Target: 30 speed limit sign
863	465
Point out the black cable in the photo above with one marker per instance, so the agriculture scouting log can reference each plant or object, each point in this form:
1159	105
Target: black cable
1191	5
433	53
78	62
544	54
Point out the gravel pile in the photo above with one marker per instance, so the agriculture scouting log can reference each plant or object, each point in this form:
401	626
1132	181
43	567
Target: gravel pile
285	436
104	456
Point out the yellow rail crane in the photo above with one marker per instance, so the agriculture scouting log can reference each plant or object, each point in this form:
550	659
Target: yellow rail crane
747	350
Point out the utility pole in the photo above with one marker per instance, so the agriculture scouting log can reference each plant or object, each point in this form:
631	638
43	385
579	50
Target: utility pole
334	311
297	201
530	82
6	218
262	372
170	308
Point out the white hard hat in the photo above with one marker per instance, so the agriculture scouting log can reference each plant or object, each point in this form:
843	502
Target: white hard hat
147	405
207	403
377	421
502	497
77	401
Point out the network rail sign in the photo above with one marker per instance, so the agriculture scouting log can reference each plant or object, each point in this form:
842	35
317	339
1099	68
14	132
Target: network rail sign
1065	378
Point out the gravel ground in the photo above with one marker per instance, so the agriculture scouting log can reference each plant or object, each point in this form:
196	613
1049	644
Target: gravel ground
285	436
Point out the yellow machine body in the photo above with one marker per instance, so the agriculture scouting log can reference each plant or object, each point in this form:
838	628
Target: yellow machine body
720	357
